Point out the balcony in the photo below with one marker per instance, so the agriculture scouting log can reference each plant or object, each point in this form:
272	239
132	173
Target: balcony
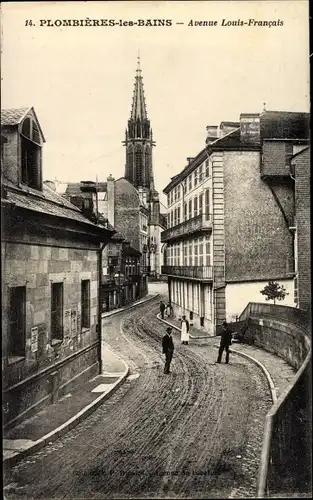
201	223
202	273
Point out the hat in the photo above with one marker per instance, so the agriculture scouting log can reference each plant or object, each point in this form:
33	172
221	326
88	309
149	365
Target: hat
169	329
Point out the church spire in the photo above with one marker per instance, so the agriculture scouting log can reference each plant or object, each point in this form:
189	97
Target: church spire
138	139
138	110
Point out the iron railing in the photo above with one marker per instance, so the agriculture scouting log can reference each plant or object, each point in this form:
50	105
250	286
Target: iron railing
197	224
195	272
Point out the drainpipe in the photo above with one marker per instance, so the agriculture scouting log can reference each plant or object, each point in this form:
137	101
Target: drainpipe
100	305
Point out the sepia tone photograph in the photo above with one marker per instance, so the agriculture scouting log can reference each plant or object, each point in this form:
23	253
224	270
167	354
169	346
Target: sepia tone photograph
155	208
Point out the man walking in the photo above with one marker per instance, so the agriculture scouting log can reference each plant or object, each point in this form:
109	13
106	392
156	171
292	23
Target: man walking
162	309
226	338
168	349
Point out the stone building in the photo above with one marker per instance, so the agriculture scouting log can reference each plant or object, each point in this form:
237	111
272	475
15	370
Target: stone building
51	268
229	213
124	275
301	172
139	144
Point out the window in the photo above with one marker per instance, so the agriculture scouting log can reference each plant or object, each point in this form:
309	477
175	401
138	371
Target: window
168	200
200	204
190	253
57	311
178	192
30	154
17	321
190	182
200	174
178	215
171	219
185	253
195	206
85	316
207	204
208	252
207	168
195	176
185	211
190	208
139	169
196	252
200	251
185	186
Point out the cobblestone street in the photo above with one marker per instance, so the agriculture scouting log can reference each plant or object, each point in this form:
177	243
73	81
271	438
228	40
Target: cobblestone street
196	433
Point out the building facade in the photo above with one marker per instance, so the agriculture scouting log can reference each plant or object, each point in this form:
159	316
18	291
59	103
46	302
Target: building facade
117	204
239	191
51	263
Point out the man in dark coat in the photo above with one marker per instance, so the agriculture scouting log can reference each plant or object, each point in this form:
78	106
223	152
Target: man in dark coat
226	338
162	309
168	349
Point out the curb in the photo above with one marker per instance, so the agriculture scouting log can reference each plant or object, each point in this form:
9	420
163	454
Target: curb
176	328
70	424
122	309
261	366
234	351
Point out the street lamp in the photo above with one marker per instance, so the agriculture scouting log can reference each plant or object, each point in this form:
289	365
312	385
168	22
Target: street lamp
119	279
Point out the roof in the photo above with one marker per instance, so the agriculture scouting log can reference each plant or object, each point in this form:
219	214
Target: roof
46	202
284	125
13	116
299	153
230	140
73	188
138	110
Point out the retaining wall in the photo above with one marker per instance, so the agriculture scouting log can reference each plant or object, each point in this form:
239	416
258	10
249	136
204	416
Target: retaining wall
286	461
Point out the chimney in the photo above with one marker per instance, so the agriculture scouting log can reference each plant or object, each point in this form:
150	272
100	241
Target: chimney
189	159
111	199
250	128
227	127
211	134
50	184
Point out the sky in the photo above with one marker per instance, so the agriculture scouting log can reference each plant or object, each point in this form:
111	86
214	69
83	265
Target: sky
80	79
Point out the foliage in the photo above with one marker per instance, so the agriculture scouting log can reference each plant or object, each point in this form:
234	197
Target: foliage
274	291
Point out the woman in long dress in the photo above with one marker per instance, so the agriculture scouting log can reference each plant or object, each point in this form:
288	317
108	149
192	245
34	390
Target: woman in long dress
184	337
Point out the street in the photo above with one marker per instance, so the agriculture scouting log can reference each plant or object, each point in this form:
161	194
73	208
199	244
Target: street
195	433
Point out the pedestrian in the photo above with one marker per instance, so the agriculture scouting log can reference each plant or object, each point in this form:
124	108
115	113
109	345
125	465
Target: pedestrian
168	349
162	309
184	337
226	338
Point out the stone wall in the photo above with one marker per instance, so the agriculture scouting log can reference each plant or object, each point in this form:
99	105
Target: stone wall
303	220
258	243
26	379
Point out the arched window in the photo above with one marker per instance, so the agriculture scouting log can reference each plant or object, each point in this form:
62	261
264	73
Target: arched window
138	161
30	153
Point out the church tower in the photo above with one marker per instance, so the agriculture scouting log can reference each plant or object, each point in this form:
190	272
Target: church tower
138	140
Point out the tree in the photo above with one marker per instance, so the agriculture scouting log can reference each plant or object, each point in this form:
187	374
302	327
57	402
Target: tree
274	291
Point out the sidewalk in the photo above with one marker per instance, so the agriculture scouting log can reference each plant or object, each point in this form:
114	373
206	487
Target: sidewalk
278	372
56	419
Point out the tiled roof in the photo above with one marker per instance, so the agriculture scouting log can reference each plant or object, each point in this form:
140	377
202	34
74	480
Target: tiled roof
284	125
13	116
46	202
73	188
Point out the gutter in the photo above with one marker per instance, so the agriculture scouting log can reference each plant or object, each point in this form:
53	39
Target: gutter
100	304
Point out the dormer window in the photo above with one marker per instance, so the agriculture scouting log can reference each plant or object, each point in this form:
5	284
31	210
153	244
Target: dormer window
31	144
